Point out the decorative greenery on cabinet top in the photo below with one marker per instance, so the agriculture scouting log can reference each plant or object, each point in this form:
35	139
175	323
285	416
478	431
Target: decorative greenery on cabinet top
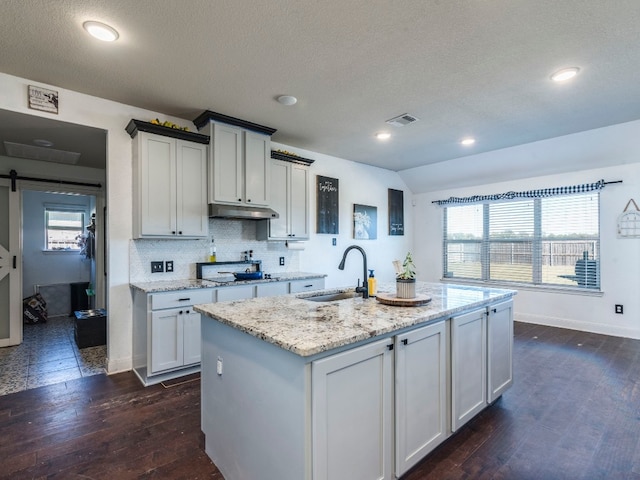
136	126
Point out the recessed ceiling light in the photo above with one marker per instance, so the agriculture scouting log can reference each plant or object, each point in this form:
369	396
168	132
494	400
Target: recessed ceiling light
101	31
287	100
565	74
467	141
383	136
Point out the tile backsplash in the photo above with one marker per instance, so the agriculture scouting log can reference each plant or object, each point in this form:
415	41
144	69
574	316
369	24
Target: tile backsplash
232	237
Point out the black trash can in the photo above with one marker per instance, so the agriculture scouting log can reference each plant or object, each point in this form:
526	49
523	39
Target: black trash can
90	329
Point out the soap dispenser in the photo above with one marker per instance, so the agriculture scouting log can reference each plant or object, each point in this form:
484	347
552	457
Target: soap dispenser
212	251
372	284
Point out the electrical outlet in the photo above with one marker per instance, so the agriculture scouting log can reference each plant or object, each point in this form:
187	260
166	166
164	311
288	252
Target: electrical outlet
157	267
334	242
168	266
618	308
281	261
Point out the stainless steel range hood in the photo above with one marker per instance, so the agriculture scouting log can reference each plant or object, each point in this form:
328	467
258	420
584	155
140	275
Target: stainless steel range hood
217	210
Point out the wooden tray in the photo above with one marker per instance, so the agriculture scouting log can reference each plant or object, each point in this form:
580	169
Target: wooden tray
391	299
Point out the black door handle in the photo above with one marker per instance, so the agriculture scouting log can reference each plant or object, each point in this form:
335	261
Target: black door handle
15	262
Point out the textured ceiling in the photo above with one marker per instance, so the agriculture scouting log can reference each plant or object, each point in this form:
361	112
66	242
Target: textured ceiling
463	67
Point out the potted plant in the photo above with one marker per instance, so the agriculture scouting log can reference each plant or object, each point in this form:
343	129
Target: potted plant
406	278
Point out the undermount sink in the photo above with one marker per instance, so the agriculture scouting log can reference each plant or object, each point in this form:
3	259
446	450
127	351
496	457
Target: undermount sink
330	297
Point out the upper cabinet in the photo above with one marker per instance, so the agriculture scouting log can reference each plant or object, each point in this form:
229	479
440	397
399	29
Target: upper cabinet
289	197
169	181
239	160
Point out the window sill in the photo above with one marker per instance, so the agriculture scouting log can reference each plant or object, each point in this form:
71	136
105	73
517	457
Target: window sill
532	288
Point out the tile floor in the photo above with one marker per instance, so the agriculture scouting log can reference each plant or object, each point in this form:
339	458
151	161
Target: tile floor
48	355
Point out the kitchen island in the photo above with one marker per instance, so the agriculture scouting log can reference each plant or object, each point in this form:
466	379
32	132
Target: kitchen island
298	389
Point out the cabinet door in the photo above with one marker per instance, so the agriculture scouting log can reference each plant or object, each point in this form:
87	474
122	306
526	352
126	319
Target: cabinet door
280	199
499	349
191	181
257	166
272	289
156	174
468	366
421	394
351	414
299	206
166	340
226	172
192	339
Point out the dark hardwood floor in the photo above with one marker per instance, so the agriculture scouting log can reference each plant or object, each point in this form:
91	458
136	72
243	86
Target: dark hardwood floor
573	413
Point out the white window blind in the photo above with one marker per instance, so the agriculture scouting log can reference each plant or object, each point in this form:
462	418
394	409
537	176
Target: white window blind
63	227
552	241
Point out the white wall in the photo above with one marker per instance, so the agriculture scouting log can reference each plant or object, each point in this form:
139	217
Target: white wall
38	266
620	258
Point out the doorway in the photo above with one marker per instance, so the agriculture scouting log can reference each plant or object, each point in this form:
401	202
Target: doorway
47	352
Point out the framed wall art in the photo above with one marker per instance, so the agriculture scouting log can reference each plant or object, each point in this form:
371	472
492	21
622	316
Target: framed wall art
327	198
365	222
396	212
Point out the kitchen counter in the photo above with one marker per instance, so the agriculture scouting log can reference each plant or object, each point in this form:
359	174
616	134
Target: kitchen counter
186	284
307	328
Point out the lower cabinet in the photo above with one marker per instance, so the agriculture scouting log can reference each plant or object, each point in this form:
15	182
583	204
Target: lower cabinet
468	366
166	333
352	406
175	339
499	350
420	393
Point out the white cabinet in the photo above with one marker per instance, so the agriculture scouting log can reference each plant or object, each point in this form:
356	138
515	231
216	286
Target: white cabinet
239	160
468	366
290	198
420	393
352	407
272	289
175	339
499	349
170	196
166	333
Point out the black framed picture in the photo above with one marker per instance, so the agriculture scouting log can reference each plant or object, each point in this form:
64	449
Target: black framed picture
396	212
365	222
327	199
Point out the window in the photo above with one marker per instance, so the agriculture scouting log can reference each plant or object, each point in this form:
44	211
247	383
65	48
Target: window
552	241
64	228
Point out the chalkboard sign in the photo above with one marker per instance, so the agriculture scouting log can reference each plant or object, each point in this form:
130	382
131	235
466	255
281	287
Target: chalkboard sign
327	219
396	212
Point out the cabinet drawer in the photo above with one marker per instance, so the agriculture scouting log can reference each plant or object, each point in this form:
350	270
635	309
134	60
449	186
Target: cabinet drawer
272	289
306	285
181	298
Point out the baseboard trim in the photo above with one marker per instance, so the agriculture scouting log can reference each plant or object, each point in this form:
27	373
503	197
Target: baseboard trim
603	329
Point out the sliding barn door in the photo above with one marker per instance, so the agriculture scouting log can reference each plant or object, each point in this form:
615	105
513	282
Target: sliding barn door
10	267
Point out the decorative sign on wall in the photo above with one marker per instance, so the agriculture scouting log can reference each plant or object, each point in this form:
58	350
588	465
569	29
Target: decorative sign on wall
365	222
629	221
327	218
43	99
396	212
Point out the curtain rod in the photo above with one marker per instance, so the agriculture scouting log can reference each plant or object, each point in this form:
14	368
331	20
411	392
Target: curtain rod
13	176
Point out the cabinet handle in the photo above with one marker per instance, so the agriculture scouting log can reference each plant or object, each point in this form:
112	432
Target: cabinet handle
173	232
180	312
183	299
239	199
390	346
405	341
309	286
187	312
15	263
248	200
494	310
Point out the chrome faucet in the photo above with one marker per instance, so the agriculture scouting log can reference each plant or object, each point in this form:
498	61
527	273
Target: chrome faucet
364	289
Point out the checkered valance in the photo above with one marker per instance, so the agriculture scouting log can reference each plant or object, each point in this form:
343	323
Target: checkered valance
543	192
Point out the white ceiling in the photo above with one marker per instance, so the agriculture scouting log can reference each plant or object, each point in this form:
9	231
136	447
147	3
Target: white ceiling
463	67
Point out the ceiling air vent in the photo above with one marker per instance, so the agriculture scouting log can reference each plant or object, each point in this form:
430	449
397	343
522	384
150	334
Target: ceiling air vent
33	152
402	120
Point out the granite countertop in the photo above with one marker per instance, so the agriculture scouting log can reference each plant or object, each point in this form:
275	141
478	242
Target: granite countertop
307	328
186	284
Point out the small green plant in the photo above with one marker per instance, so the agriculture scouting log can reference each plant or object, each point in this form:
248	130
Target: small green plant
408	270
